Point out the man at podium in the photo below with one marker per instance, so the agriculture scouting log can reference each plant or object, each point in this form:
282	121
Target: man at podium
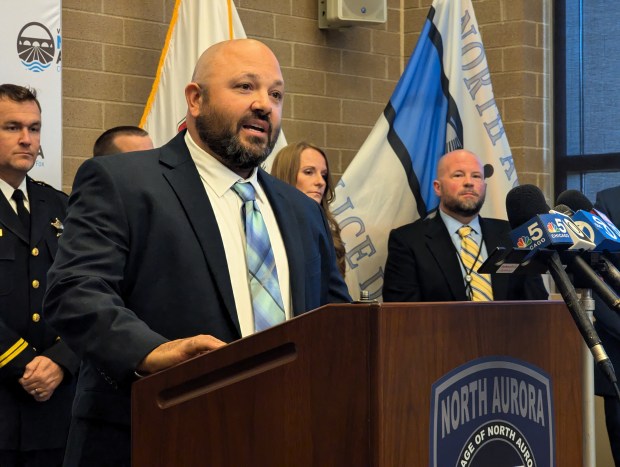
436	259
187	247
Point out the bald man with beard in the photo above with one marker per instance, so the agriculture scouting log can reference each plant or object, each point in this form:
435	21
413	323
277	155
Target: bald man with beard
424	263
154	272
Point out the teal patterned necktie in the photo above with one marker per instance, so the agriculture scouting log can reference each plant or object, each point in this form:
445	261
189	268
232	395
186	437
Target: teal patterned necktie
264	286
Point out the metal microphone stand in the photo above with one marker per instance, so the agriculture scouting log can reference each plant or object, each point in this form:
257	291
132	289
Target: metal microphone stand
589	448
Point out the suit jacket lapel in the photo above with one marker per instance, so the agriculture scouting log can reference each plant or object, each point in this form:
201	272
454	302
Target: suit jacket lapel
9	219
291	236
40	215
184	179
494	238
441	247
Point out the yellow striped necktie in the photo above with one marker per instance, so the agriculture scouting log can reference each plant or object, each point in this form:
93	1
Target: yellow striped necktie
479	284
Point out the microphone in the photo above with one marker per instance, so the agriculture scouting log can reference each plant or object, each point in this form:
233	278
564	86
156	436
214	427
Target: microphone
523	203
593	223
575	200
563	209
600	230
533	230
584	274
609	271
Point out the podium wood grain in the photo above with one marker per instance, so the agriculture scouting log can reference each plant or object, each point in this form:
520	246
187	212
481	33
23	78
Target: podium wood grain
346	385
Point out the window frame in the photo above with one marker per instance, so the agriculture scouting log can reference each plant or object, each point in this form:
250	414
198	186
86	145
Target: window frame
565	164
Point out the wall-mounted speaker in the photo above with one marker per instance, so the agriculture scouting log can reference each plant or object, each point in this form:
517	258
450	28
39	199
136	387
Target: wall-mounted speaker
341	13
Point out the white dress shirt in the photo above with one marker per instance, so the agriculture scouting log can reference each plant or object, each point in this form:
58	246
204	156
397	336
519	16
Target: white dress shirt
218	181
8	190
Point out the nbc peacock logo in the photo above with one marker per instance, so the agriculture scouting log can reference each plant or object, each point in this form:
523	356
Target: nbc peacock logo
35	47
524	242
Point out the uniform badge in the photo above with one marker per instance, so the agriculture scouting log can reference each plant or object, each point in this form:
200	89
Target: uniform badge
58	226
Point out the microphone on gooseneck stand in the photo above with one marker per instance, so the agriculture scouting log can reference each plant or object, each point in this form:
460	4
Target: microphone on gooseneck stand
536	229
609	271
585	274
600	230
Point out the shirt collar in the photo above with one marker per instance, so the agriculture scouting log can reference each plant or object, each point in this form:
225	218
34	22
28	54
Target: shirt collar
454	225
215	174
7	190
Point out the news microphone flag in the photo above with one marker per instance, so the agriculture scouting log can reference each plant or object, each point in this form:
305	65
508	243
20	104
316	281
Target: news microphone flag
605	235
443	101
553	230
195	26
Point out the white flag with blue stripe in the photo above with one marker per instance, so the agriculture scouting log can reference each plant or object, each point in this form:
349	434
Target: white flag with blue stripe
443	101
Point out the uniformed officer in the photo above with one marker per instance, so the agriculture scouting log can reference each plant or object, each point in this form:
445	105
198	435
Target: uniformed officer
36	368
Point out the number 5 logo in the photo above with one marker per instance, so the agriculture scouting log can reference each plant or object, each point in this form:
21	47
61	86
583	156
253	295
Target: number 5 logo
535	231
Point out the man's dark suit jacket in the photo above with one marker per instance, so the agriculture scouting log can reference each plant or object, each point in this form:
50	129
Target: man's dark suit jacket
607	322
26	424
422	265
607	325
142	262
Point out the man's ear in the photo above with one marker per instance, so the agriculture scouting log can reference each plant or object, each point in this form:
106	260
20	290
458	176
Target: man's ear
193	96
437	187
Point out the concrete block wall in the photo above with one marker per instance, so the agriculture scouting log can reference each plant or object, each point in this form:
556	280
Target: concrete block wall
111	49
337	81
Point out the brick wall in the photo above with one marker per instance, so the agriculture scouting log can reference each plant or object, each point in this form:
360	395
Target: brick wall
111	49
337	81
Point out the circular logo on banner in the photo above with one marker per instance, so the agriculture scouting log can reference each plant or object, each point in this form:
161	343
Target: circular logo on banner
493	411
497	444
35	47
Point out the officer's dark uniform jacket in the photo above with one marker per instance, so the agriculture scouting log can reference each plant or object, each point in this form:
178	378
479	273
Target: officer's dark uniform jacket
26	424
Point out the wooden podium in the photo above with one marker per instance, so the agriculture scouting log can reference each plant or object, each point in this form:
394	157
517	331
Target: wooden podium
347	385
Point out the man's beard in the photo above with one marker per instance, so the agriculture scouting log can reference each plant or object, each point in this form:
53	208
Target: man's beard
466	208
215	132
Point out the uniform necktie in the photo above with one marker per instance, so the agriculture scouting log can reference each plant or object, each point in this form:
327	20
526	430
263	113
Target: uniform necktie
22	212
264	286
480	284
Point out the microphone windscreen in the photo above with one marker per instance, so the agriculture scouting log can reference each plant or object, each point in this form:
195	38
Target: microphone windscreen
524	202
564	209
575	200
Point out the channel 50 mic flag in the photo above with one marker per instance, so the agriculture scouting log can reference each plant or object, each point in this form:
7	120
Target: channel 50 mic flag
194	27
443	101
